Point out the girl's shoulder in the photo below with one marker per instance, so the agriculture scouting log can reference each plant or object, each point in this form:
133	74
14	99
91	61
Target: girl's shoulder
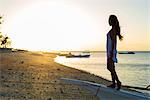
110	32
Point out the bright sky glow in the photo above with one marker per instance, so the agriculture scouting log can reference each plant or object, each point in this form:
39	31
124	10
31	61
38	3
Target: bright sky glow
74	24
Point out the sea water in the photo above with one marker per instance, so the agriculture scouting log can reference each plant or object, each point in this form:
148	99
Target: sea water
132	69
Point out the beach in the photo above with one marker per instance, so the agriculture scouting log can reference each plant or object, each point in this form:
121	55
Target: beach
35	75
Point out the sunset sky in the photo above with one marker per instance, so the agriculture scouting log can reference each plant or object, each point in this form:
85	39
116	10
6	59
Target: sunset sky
75	24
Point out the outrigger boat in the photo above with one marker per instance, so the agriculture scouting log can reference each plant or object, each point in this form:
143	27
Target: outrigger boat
78	56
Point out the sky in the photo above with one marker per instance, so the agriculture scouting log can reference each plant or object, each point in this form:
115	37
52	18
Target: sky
75	24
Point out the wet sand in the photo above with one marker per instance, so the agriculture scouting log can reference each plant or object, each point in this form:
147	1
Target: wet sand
35	76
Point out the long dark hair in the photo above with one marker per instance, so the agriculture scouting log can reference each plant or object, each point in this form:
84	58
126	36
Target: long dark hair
113	21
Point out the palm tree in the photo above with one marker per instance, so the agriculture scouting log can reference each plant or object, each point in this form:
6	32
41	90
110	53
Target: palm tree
0	19
1	36
6	42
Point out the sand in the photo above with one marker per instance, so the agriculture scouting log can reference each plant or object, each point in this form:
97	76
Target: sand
35	76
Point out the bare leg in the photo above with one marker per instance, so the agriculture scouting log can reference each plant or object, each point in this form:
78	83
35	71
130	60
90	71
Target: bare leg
111	68
114	74
113	81
113	78
110	65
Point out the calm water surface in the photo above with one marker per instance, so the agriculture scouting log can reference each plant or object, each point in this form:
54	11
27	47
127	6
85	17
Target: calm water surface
132	69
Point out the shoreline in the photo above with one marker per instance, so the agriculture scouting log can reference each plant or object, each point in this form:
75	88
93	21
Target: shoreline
100	79
35	75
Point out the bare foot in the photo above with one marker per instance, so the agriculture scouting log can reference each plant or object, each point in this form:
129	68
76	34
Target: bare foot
118	85
111	86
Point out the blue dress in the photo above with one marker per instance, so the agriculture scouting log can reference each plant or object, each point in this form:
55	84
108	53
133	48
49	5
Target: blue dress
109	48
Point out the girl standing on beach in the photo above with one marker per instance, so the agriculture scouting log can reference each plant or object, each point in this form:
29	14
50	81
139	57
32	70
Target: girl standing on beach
112	51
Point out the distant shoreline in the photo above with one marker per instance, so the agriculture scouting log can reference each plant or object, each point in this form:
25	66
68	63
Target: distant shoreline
105	51
71	50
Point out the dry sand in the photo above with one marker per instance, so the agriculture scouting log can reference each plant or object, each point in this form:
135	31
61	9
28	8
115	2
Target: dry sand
35	76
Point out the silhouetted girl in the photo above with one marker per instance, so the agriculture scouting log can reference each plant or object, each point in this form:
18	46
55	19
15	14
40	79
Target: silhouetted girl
112	51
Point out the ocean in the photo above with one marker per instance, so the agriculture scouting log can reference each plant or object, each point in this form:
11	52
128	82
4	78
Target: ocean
132	69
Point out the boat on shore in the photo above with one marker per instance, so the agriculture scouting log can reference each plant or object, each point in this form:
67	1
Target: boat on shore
84	55
70	55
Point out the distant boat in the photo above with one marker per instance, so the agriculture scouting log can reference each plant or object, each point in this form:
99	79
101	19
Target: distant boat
77	56
126	53
84	55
